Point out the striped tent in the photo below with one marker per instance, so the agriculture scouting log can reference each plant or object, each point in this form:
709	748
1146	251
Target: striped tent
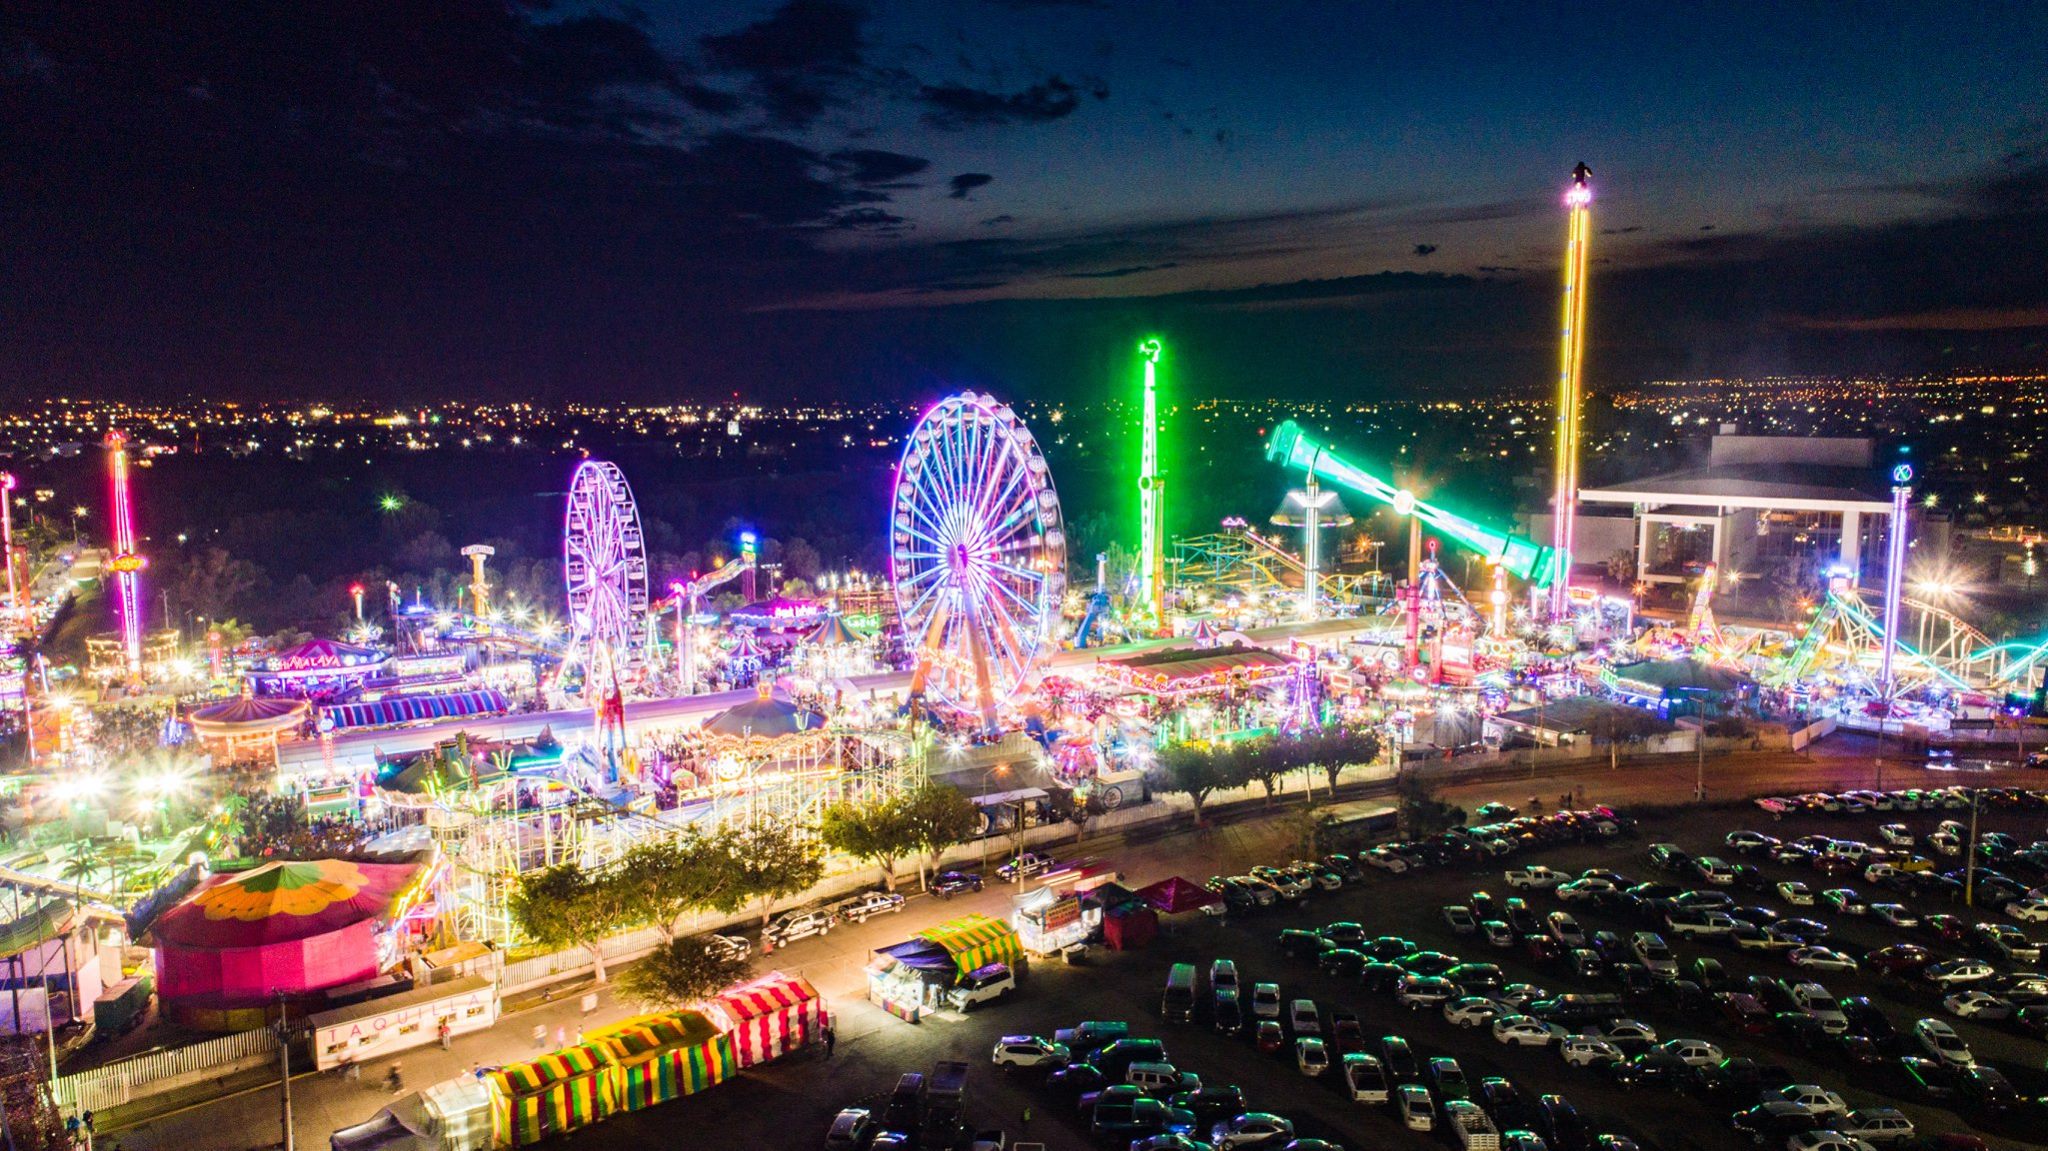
665	1057
772	1015
975	941
571	1088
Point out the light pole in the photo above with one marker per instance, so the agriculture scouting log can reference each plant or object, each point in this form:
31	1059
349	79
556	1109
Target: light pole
1970	856
284	1055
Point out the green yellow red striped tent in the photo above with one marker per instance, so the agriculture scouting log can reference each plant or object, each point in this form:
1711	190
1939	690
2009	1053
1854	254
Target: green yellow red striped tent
975	941
665	1057
558	1092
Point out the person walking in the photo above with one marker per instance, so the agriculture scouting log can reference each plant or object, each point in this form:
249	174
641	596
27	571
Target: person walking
561	1036
447	1035
351	1070
540	1037
831	1040
394	1079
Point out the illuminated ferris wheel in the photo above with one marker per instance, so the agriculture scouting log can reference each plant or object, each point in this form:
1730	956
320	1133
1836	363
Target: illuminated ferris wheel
978	553
604	566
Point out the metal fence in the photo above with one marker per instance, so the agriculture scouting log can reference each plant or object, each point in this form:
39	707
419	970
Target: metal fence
118	1083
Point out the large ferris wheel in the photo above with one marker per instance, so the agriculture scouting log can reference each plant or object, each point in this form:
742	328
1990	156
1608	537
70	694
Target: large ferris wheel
978	553
604	565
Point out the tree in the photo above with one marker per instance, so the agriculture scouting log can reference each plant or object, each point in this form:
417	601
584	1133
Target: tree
878	831
1422	812
1621	566
767	861
567	906
939	816
684	971
1195	770
1266	760
662	880
1335	748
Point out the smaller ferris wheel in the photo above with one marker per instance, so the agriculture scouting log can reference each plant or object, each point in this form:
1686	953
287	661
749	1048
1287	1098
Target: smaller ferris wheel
978	553
604	564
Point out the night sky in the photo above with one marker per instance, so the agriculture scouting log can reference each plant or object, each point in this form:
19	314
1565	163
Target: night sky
816	199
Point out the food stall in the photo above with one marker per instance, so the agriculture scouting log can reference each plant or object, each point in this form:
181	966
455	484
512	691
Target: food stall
908	979
558	1092
769	1016
664	1057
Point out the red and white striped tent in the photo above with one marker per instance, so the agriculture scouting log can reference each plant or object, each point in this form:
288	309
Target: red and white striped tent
769	1016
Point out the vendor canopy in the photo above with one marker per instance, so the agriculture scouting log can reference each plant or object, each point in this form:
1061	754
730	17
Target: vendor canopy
1664	679
663	1057
410	708
562	1091
1175	895
1189	668
771	1015
962	945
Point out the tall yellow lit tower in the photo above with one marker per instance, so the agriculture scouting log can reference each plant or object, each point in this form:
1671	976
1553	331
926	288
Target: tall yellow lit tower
1578	201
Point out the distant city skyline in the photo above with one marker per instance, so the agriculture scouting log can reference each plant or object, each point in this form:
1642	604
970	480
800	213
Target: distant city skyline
780	201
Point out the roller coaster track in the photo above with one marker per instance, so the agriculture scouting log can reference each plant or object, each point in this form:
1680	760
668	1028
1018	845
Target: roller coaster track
1846	638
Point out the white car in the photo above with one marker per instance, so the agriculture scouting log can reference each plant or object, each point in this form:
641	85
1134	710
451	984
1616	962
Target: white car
1957	971
1624	1030
1459	919
1651	950
1896	835
1795	893
1745	840
1946	842
1896	914
797	925
1537	876
1029	1051
1586	1051
1311	1058
1385	860
1692	1052
1941	1042
1472	1011
737	946
1302	1018
1821	1006
1821	959
1826	1141
2029	908
1413	1102
1581	890
1977	1005
860	907
1265	1001
1524	1031
1823	1103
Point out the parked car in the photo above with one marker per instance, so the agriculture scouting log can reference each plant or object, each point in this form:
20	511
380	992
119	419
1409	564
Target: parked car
1526	1031
1266	1001
1941	1042
951	883
1364	1079
1587	1051
860	908
1772	1123
1795	893
795	925
1025	865
1029	1051
1303	1019
1311	1056
1821	959
1251	1129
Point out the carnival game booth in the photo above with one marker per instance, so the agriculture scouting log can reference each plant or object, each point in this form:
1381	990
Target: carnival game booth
909	979
398	709
664	1057
769	1017
1185	672
558	1092
227	951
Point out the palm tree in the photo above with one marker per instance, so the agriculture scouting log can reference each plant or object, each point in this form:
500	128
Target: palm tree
82	863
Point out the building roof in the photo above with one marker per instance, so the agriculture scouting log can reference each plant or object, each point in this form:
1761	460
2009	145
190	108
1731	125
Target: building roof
1816	487
1582	714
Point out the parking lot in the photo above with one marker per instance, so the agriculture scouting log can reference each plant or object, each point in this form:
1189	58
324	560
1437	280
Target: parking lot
791	1105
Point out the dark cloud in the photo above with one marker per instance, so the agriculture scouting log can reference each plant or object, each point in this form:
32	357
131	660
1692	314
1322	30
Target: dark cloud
1621	231
874	166
998	221
966	182
1119	273
1425	249
956	106
796	57
1706	227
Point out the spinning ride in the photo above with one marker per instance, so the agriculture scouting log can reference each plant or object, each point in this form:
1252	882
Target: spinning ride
978	553
604	565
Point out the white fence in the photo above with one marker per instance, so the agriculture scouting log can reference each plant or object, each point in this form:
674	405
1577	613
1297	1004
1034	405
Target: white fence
117	1083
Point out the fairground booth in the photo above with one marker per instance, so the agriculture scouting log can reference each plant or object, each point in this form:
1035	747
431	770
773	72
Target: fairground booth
246	729
1057	916
228	951
318	667
909	979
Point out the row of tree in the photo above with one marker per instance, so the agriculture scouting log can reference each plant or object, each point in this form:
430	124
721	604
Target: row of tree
656	883
919	825
1198	769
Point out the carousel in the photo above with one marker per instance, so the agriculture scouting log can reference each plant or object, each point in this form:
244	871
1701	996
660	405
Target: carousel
246	729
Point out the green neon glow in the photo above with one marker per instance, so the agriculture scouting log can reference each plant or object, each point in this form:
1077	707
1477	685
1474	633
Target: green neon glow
1151	499
1523	558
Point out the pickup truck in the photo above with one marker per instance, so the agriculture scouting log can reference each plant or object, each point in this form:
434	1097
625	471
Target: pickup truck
1537	876
1470	1126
